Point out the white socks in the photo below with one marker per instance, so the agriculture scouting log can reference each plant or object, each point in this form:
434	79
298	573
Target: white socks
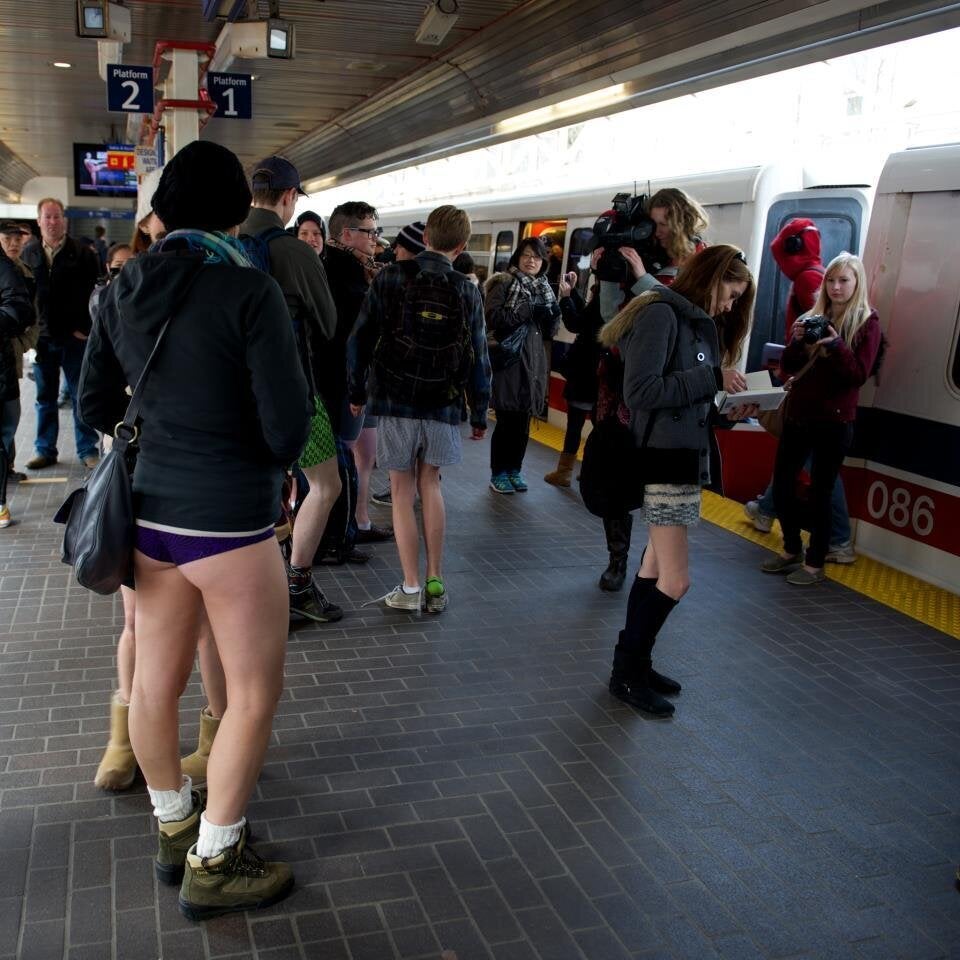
172	804
214	839
410	591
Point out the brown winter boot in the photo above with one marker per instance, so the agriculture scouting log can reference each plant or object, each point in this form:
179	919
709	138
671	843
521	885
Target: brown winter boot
118	766
195	765
561	476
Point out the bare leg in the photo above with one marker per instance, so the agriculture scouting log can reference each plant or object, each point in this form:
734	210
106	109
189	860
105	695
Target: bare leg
126	645
211	670
245	594
671	555
649	569
434	517
324	479
365	456
403	486
168	612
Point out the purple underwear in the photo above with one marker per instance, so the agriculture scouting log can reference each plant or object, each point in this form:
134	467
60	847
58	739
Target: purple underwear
179	548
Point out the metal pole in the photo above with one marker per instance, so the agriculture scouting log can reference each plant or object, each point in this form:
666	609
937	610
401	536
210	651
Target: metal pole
183	126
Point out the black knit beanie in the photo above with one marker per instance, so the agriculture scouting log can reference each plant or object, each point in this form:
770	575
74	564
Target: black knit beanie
203	187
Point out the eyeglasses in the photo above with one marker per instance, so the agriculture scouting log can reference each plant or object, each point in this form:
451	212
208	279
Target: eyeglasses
527	255
369	231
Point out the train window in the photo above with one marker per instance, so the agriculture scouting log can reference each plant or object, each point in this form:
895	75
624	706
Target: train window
480	243
504	250
578	259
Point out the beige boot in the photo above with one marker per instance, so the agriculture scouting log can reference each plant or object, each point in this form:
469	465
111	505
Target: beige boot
118	766
561	476
195	765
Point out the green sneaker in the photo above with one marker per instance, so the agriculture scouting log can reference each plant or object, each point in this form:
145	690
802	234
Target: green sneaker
500	483
236	879
435	595
176	838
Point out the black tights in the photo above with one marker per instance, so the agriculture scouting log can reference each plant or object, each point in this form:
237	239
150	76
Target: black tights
576	418
4	468
508	443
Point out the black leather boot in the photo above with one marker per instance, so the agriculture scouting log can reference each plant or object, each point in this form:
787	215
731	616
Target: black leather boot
618	531
658	681
630	683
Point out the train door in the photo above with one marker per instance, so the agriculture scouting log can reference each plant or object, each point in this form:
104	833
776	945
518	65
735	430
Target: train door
840	215
553	233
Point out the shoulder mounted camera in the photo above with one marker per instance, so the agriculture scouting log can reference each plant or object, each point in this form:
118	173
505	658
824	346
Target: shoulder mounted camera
626	224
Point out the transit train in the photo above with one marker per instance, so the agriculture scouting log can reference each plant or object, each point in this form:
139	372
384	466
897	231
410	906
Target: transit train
903	477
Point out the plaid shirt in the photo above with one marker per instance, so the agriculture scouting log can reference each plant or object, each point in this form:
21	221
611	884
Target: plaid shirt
372	323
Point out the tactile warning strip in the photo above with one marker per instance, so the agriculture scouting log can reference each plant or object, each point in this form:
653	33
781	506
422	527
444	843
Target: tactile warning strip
922	601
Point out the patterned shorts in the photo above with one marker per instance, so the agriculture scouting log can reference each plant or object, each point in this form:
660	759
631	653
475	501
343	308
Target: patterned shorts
320	445
401	442
670	505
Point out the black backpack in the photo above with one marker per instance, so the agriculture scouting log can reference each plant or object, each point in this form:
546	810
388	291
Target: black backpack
423	358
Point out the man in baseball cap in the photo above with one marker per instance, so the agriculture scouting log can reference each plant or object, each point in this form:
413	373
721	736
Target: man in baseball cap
277	173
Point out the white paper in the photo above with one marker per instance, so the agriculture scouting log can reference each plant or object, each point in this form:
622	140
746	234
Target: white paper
768	399
759	380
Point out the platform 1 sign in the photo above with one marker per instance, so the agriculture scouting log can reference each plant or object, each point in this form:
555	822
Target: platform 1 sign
232	93
129	89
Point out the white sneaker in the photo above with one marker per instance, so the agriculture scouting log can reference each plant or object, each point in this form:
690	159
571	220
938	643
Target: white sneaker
761	521
841	553
5	519
398	599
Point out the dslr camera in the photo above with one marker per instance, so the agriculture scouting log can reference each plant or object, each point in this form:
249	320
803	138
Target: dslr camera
815	328
626	224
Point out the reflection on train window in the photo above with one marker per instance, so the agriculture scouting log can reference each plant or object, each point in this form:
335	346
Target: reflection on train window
955	373
504	250
578	259
480	243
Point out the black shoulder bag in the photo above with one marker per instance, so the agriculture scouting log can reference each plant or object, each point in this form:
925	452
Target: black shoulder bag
100	524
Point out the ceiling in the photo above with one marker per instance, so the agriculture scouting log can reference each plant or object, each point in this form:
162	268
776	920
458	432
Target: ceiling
362	97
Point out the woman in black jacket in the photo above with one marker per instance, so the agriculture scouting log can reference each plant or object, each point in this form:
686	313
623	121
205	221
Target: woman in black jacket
225	410
16	315
521	313
677	347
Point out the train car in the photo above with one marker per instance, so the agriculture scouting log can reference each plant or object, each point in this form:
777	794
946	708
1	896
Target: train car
903	479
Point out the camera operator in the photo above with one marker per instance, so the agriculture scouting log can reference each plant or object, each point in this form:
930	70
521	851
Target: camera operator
678	347
837	346
675	222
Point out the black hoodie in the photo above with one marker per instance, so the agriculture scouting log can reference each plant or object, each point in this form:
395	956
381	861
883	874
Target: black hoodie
226	406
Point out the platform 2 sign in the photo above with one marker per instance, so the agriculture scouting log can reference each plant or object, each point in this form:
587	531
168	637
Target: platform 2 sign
129	89
232	93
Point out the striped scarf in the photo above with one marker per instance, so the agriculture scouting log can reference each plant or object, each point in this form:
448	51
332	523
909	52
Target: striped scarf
370	266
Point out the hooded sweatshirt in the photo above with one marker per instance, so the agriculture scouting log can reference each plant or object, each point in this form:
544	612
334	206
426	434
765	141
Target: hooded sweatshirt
226	404
804	268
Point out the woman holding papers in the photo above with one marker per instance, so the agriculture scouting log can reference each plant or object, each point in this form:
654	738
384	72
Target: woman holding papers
677	347
842	335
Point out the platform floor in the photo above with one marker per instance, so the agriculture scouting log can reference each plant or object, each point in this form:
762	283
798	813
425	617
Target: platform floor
464	786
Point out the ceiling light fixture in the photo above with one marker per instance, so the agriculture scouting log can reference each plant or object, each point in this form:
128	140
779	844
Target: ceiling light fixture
62	64
564	110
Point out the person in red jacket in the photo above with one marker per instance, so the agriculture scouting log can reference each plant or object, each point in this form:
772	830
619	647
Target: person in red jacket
843	338
796	248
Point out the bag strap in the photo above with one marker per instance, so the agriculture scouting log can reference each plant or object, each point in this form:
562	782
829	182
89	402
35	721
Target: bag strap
127	431
805	367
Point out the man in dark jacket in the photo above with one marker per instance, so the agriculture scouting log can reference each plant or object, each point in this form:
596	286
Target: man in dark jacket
65	272
300	274
16	314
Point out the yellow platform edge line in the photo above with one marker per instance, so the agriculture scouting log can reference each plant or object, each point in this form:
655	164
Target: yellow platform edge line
907	594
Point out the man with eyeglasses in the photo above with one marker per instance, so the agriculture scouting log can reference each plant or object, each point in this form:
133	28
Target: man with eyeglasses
351	267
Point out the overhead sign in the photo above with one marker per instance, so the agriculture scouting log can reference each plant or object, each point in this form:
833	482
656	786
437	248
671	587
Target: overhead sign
232	93
129	89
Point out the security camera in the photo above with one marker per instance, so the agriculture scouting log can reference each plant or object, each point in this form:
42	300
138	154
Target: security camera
103	20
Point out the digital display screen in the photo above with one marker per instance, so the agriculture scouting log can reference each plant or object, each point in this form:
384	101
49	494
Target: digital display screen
93	18
104	170
278	39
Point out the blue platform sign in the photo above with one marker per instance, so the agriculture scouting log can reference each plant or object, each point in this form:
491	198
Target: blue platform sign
129	89
232	93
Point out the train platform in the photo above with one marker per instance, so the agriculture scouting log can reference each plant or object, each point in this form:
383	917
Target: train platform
464	787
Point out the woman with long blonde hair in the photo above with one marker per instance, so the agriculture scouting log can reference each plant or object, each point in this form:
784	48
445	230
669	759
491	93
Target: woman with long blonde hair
677	347
837	346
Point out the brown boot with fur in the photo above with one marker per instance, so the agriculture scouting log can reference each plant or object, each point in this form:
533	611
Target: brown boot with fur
119	766
194	766
561	476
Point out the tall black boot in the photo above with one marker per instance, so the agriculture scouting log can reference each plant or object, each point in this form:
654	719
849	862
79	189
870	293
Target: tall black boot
631	679
662	607
618	531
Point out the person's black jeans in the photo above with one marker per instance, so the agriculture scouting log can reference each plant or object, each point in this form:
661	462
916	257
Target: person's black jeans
576	418
508	443
826	443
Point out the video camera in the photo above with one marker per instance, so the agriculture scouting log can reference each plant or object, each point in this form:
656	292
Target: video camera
626	224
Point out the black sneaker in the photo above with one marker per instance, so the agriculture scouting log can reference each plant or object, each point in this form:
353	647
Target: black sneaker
375	534
15	476
385	499
307	602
